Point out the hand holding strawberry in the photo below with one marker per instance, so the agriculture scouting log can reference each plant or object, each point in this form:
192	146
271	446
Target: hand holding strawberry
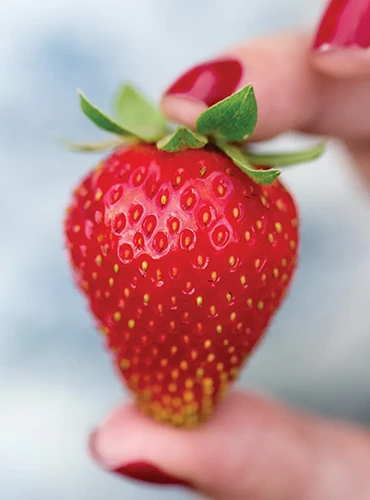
252	447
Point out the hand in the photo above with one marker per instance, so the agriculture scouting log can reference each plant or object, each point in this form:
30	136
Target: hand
254	449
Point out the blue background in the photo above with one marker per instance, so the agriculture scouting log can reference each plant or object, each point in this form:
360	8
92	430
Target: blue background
56	382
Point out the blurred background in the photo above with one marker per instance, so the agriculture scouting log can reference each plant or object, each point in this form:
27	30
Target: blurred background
56	380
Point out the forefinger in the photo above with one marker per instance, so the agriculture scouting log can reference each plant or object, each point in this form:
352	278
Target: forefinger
291	93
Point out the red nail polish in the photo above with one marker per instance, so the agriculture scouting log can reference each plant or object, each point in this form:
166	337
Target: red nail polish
345	23
209	82
143	471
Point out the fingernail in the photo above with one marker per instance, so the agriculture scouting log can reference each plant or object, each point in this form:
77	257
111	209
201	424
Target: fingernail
139	470
345	23
148	473
209	82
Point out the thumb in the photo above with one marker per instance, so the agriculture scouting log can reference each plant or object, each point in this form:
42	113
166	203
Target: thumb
342	41
250	449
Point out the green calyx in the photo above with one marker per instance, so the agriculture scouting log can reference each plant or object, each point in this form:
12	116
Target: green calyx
226	125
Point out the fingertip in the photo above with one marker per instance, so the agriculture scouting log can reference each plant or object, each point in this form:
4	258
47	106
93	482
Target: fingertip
346	63
105	442
182	109
120	446
129	436
340	47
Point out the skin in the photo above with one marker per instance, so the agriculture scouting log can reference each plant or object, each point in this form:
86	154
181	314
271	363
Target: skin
255	449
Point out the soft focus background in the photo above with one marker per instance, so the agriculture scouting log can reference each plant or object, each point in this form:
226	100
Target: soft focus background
56	381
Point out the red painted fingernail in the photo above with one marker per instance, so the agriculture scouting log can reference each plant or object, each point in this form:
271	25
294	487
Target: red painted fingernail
209	82
143	471
139	470
345	23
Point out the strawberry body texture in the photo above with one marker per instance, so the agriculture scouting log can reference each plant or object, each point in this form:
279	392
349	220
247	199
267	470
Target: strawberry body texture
184	260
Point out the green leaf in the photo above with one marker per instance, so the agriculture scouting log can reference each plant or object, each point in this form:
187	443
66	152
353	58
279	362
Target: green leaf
102	120
182	138
231	120
138	115
286	158
89	147
239	159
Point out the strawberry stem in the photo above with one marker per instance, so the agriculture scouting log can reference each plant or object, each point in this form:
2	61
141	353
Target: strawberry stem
225	125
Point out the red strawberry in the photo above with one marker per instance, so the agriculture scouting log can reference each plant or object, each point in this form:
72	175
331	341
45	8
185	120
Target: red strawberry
184	259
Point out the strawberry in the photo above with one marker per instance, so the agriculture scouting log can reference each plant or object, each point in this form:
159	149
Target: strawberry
184	252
